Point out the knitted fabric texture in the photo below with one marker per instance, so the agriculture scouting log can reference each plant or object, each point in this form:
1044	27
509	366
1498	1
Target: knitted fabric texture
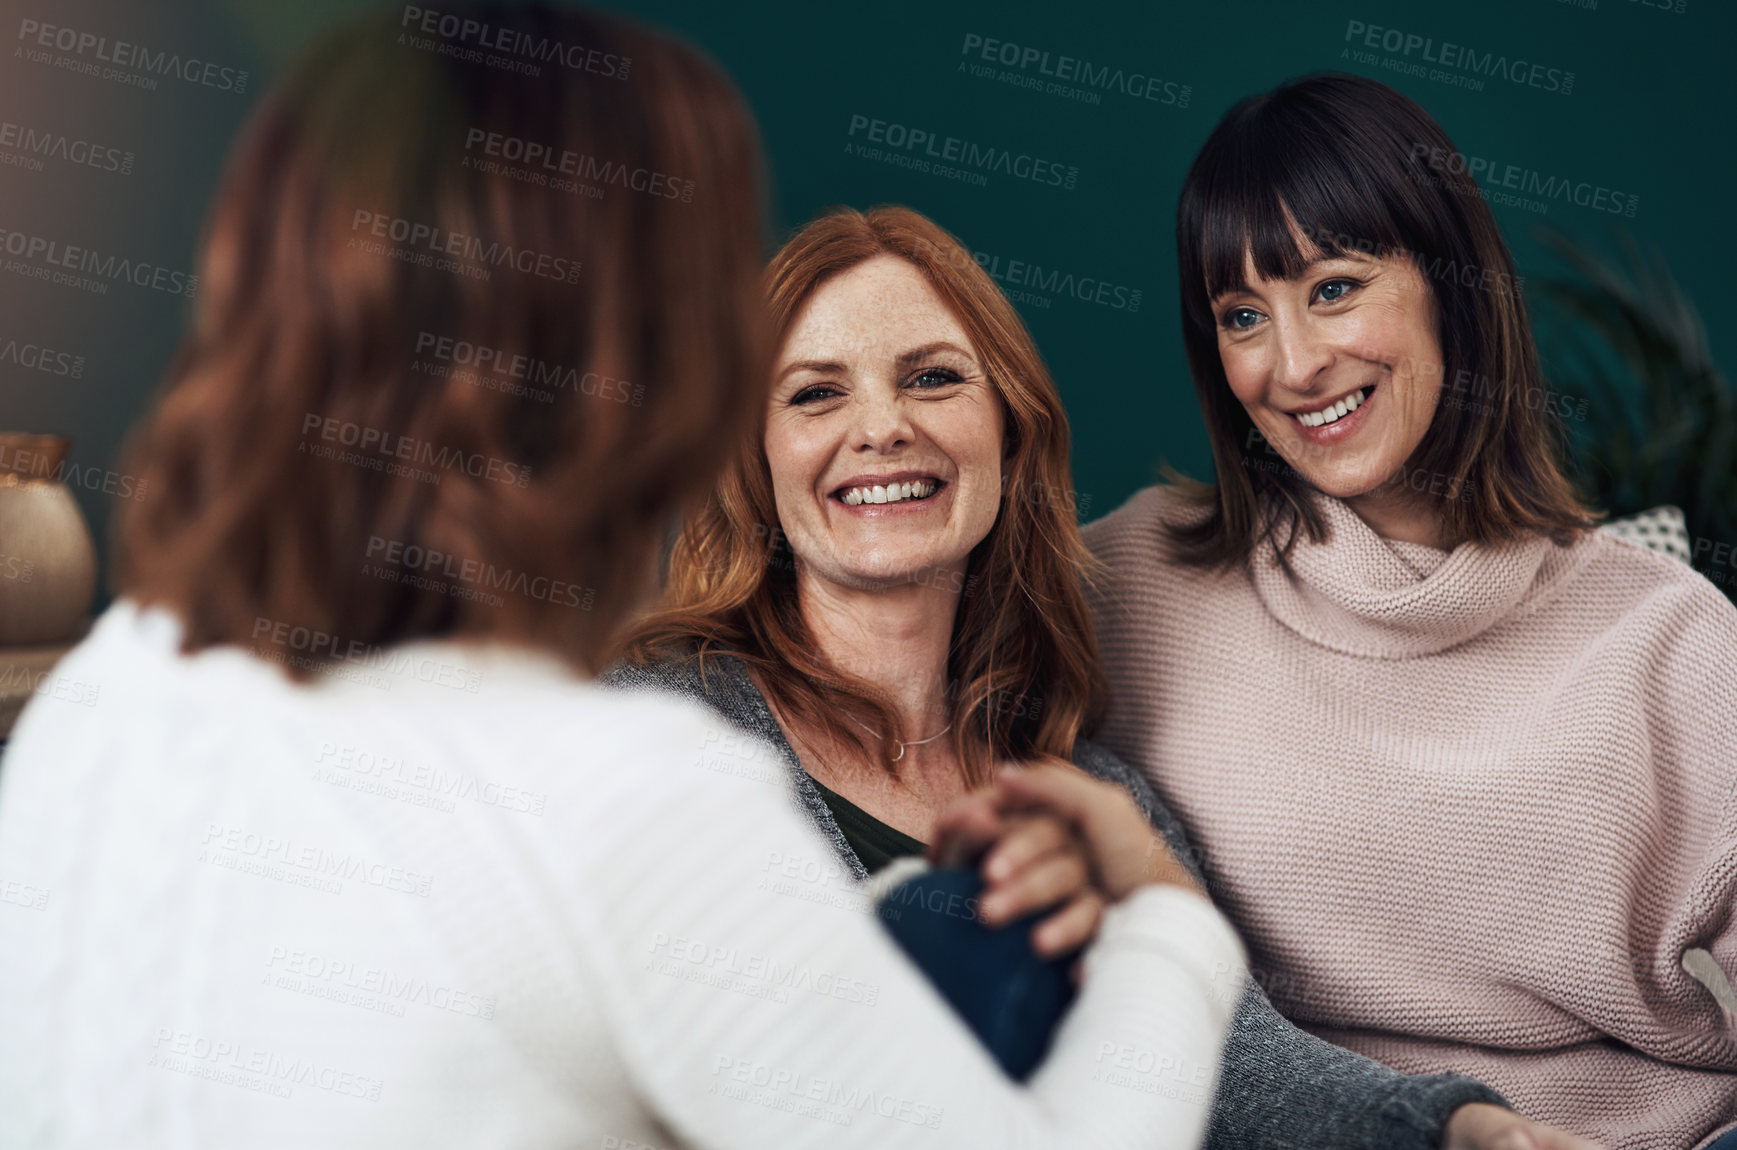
1279	1089
1469	809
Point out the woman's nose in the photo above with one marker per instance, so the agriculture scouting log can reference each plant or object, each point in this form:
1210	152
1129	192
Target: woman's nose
881	421
1299	355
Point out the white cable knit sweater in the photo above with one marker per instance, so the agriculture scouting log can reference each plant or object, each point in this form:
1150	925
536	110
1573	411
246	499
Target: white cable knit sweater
459	898
1469	809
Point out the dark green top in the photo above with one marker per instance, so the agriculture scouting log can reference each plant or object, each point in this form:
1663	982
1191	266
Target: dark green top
874	842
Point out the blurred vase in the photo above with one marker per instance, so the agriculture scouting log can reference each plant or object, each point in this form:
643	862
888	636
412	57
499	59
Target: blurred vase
47	558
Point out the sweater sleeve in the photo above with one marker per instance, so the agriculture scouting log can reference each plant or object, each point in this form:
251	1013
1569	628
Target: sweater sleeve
1282	1088
755	1001
1690	717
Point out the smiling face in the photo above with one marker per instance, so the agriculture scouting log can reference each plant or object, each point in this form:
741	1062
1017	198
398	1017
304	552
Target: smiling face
884	434
1339	368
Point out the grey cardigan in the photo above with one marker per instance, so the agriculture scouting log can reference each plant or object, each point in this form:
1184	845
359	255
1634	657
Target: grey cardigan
1280	1088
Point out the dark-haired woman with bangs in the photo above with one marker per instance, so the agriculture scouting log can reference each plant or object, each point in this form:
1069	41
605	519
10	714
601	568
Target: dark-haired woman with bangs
1461	768
887	588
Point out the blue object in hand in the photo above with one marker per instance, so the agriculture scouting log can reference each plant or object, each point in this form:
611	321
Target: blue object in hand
1010	997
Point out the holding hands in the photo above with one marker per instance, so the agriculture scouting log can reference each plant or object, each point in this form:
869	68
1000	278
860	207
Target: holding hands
1050	837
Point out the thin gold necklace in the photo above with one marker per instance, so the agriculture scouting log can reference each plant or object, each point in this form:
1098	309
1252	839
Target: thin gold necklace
912	743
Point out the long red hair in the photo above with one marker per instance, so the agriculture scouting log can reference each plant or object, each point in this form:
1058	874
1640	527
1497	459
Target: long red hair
1023	677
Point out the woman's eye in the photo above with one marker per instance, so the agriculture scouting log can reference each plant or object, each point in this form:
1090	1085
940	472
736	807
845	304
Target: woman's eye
1241	318
814	393
1335	290
932	377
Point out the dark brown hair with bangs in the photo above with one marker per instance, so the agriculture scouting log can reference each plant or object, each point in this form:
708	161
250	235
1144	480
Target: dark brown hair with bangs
499	322
1022	668
1344	165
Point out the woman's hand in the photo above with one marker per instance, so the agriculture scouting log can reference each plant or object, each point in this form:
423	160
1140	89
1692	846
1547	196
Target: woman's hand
1030	863
1123	850
1054	838
1480	1126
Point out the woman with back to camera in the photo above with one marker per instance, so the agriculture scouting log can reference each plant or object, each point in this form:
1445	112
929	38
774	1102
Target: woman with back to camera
433	887
1462	769
895	554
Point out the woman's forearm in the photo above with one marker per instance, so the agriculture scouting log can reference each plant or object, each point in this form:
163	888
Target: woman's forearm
1285	1089
726	1067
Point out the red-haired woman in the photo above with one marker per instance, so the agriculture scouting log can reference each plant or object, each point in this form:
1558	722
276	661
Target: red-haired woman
433	887
887	587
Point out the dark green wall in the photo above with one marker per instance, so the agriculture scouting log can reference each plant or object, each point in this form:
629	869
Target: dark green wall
1652	115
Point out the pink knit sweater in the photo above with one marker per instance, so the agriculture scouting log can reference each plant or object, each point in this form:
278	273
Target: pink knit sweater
1469	809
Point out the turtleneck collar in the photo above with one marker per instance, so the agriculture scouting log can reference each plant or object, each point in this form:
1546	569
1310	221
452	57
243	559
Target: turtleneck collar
1360	594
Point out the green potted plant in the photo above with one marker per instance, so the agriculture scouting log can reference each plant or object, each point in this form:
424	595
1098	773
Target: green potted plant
1661	425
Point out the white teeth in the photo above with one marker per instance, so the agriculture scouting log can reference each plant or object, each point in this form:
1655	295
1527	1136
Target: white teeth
1331	414
889	493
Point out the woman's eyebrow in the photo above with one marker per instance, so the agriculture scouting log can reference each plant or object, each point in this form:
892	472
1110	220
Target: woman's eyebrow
917	354
1351	257
1302	273
827	367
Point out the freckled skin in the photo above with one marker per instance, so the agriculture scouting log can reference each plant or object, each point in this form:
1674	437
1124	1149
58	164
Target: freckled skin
882	416
1293	345
879	591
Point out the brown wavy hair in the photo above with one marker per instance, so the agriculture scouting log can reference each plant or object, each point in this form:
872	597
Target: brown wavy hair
1350	165
591	221
1022	667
